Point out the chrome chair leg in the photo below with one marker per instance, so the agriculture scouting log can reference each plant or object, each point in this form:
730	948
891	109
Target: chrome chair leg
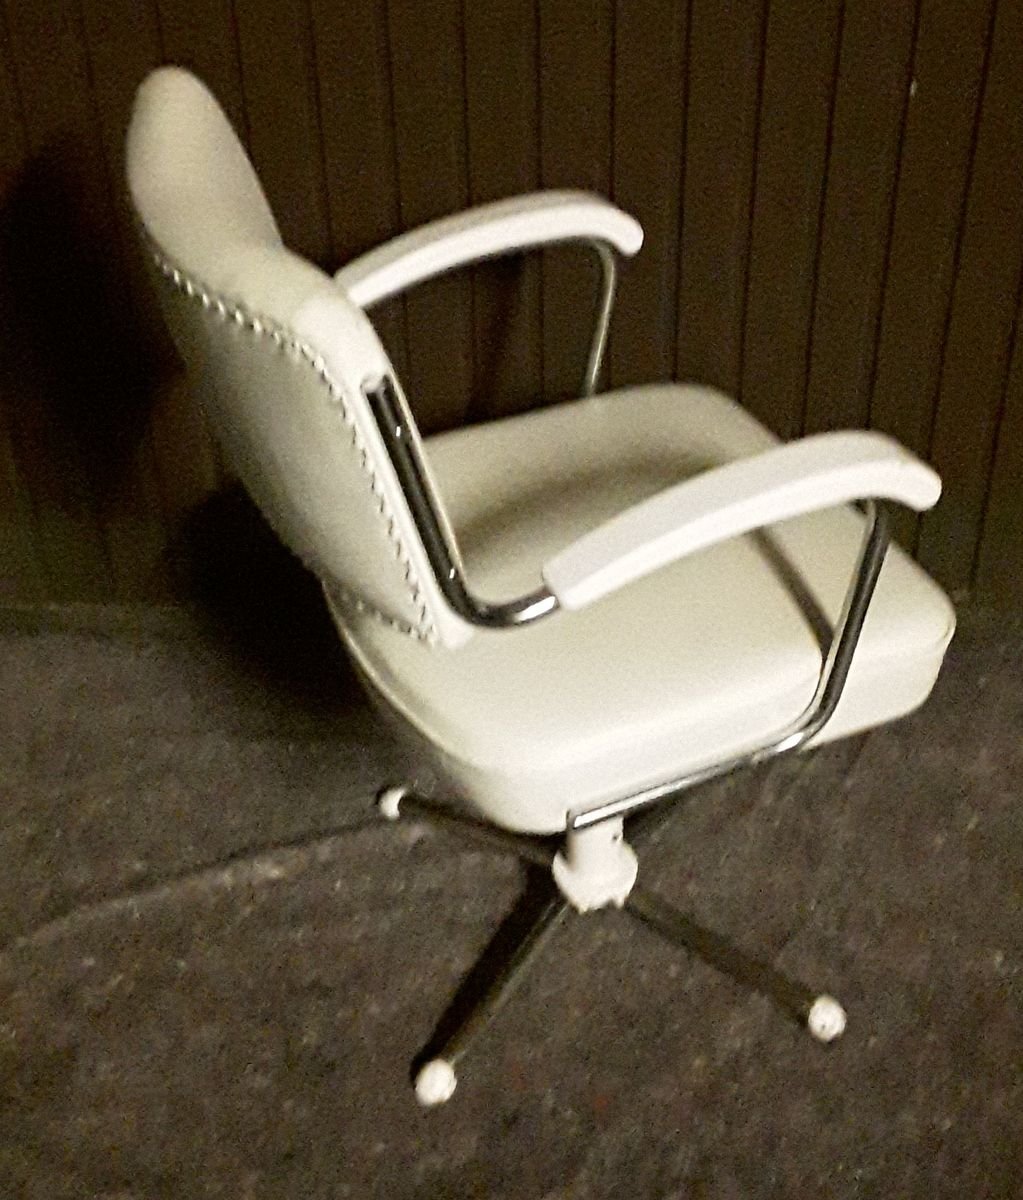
395	802
822	1015
435	1080
497	974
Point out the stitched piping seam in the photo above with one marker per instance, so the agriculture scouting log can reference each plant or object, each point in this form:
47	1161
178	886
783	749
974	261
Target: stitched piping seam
284	339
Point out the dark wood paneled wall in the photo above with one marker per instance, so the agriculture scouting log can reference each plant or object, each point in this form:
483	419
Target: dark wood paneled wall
832	192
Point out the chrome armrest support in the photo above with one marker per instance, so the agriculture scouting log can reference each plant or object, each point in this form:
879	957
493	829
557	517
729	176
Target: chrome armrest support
395	424
605	252
605	306
834	672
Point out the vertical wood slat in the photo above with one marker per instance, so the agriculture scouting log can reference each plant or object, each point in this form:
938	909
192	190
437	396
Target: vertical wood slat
576	39
429	97
977	345
504	160
935	159
202	38
725	46
647	168
59	224
21	579
1000	559
21	574
796	98
279	83
872	85
122	45
353	60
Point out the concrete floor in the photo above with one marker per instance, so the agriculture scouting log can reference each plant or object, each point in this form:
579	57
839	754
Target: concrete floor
218	966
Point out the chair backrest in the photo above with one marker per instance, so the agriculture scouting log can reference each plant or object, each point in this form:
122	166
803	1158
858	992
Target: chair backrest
280	356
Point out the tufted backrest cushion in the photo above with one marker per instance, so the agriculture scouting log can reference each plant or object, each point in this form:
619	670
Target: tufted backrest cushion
279	356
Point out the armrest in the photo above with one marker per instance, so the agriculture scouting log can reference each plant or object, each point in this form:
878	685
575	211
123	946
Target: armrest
488	231
787	481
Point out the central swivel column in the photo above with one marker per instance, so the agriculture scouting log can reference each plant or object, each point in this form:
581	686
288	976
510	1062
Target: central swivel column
597	867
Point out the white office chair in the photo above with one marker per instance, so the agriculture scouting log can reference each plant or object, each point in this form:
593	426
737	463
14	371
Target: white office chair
577	613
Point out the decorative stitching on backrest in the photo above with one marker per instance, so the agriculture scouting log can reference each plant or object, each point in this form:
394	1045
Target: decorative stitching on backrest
284	339
347	596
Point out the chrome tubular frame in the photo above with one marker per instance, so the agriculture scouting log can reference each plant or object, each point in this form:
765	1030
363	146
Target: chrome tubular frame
609	285
397	431
605	302
472	1009
834	672
396	426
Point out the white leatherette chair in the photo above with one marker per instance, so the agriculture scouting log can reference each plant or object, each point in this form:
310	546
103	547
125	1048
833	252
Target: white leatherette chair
577	613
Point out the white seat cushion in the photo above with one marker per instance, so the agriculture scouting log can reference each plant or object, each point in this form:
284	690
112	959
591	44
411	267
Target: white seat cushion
702	660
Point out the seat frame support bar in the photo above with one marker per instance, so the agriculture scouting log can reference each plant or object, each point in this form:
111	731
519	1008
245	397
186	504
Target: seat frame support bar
605	306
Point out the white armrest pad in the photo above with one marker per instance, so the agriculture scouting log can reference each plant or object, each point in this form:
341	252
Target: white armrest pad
800	477
487	231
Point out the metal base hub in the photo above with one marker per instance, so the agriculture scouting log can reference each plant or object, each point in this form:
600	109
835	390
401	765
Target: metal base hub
597	867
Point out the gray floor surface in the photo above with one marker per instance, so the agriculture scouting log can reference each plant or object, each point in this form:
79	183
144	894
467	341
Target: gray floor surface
217	966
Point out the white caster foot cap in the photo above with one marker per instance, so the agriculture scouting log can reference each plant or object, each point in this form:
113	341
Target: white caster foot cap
826	1019
435	1082
389	802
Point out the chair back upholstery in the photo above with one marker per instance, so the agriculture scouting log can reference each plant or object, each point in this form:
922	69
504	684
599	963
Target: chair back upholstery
279	357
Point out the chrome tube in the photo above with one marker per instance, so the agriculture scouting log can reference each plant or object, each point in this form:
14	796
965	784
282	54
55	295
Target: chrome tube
834	672
523	845
474	1017
605	301
609	285
719	952
397	431
396	427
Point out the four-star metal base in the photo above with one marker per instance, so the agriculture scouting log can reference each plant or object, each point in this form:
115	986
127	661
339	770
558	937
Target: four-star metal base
524	935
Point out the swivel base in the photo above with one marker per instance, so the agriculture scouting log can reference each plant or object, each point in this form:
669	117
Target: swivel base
506	961
596	868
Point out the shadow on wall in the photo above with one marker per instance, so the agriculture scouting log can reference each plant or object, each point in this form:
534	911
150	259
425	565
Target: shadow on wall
83	353
83	358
